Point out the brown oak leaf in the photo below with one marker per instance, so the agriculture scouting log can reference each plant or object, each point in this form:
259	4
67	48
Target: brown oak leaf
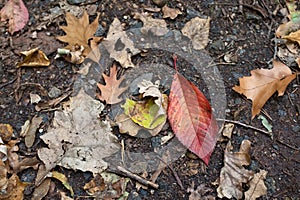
111	91
79	31
263	83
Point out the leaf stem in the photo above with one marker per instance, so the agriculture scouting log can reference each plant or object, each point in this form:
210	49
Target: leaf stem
174	61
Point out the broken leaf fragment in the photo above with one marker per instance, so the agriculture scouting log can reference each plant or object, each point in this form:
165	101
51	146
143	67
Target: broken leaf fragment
171	13
119	46
6	131
263	83
257	187
16	13
155	26
233	174
34	58
72	54
197	30
63	179
111	91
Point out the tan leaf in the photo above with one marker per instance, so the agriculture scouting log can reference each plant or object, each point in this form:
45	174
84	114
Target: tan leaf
257	186
41	191
294	36
79	31
14	190
31	130
233	174
119	45
197	30
263	83
170	12
156	26
34	58
111	91
77	138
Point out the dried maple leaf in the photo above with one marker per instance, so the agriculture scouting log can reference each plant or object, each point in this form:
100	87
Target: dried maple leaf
191	118
197	30
257	186
79	32
263	83
119	45
16	13
111	91
233	174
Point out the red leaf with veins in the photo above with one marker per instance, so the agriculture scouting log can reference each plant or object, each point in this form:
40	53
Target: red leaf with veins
191	118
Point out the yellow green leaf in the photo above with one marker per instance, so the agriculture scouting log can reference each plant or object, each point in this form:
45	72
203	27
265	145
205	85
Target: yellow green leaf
63	179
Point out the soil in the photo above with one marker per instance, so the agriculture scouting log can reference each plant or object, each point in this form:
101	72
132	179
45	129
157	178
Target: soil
246	34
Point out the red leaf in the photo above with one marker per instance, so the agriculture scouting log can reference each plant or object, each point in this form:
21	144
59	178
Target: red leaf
191	118
16	13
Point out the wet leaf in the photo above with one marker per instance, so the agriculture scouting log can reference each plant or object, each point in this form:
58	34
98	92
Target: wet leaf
63	179
257	186
16	13
197	30
77	138
119	45
34	58
263	83
156	26
233	174
171	13
78	32
111	91
191	118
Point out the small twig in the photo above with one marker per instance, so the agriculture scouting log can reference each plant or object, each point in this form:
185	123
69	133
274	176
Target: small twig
287	145
247	126
137	177
7	83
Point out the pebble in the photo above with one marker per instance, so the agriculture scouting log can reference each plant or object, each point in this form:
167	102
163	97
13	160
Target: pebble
100	31
296	129
191	13
75	1
54	92
275	147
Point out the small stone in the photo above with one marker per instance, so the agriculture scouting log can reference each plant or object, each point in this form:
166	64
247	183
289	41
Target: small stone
296	129
275	147
76	1
54	92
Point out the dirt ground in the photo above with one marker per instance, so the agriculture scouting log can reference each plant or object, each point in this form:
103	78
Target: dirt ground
247	33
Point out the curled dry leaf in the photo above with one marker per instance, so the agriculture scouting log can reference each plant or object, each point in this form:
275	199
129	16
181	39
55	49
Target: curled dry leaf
119	45
171	13
111	91
34	58
263	83
233	174
74	54
155	26
257	186
79	32
77	138
197	30
16	13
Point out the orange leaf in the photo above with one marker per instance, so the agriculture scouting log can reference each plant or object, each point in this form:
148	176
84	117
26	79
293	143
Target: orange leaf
16	13
79	31
191	118
111	91
263	83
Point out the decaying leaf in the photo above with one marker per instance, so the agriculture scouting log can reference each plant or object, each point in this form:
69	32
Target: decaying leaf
14	189
34	58
263	83
155	26
79	32
197	30
77	138
74	54
111	91
200	193
41	191
30	131
63	179
119	45
34	98
95	185
294	36
191	118
233	174
16	13
227	131
6	131
171	13
257	186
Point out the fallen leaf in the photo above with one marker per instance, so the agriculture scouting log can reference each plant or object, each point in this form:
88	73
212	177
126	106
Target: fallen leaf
95	185
119	45
3	176
263	83
74	54
79	32
77	138
6	131
111	91
155	26
257	186
265	123
34	58
63	179
34	98
31	130
200	192
16	13
227	131
170	12
14	190
294	36
41	191
233	174
197	30
191	118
